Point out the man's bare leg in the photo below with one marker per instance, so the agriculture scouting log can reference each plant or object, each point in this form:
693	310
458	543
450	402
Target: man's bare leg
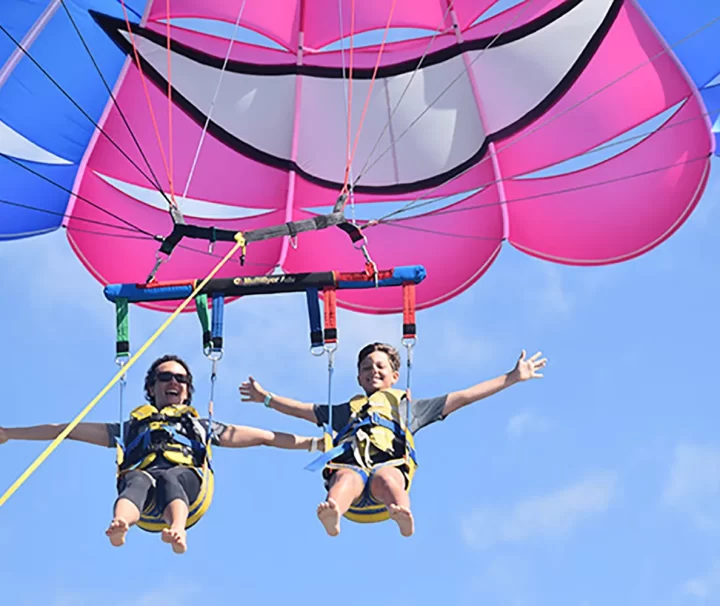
388	486
125	515
176	514
345	486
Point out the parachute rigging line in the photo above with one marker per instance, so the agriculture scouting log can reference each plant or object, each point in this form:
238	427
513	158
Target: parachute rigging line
466	71
348	159
369	93
99	233
388	123
500	186
59	214
541	122
341	19
143	235
398	224
69	97
171	171
706	157
65	432
386	220
72	193
156	181
294	139
347	189
424	200
214	99
143	80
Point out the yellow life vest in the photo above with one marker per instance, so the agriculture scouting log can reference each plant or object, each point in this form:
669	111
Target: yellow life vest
174	431
376	424
177	434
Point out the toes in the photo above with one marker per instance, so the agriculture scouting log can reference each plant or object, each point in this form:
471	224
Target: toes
116	532
329	516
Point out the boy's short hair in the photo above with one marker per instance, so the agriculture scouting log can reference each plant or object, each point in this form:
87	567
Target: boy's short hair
387	349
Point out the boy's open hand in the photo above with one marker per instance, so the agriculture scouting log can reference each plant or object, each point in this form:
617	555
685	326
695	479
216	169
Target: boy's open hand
251	391
528	369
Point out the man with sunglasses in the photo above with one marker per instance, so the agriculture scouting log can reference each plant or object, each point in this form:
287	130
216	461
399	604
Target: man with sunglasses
169	475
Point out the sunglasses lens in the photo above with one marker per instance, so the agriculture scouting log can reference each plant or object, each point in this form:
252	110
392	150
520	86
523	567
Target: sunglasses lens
166	376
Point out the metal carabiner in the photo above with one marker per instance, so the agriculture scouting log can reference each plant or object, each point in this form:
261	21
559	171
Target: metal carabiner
158	262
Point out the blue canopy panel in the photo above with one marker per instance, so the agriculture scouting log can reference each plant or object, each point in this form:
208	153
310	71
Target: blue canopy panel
39	126
692	30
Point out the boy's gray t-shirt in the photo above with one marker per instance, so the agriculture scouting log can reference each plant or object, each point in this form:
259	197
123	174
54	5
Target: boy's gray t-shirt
423	412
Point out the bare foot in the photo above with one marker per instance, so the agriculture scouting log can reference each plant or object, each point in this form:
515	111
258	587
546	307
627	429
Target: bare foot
177	537
116	532
329	515
403	518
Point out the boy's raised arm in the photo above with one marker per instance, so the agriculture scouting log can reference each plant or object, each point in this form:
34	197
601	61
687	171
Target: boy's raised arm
524	370
92	433
252	391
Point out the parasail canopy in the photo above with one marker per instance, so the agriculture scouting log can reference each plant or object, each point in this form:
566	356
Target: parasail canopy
579	131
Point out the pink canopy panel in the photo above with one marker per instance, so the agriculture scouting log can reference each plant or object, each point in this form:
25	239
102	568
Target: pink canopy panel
472	132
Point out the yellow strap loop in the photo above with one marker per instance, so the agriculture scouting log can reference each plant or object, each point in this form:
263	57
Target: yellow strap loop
240	242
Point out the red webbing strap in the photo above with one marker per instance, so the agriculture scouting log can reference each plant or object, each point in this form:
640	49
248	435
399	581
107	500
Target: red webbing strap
409	327
166	284
330	308
363	276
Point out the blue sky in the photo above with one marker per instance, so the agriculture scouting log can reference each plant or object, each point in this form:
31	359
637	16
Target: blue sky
596	485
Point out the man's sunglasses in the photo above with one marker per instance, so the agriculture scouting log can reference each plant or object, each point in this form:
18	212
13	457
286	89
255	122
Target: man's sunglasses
166	375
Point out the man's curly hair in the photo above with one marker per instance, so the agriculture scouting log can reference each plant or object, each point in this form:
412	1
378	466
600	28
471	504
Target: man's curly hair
151	376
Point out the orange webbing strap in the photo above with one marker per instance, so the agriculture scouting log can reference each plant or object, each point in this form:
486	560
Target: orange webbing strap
351	152
171	168
143	80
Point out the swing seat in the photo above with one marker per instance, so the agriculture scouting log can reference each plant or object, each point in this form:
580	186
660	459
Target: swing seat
151	518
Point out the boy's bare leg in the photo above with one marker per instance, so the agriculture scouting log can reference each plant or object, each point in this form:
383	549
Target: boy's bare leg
345	486
388	486
176	514
126	514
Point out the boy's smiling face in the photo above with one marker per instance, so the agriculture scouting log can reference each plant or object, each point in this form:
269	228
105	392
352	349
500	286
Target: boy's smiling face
376	373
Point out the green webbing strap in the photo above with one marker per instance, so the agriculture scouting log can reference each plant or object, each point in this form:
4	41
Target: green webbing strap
201	304
122	352
122	343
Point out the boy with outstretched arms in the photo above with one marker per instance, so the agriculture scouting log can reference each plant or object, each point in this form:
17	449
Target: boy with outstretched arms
375	469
